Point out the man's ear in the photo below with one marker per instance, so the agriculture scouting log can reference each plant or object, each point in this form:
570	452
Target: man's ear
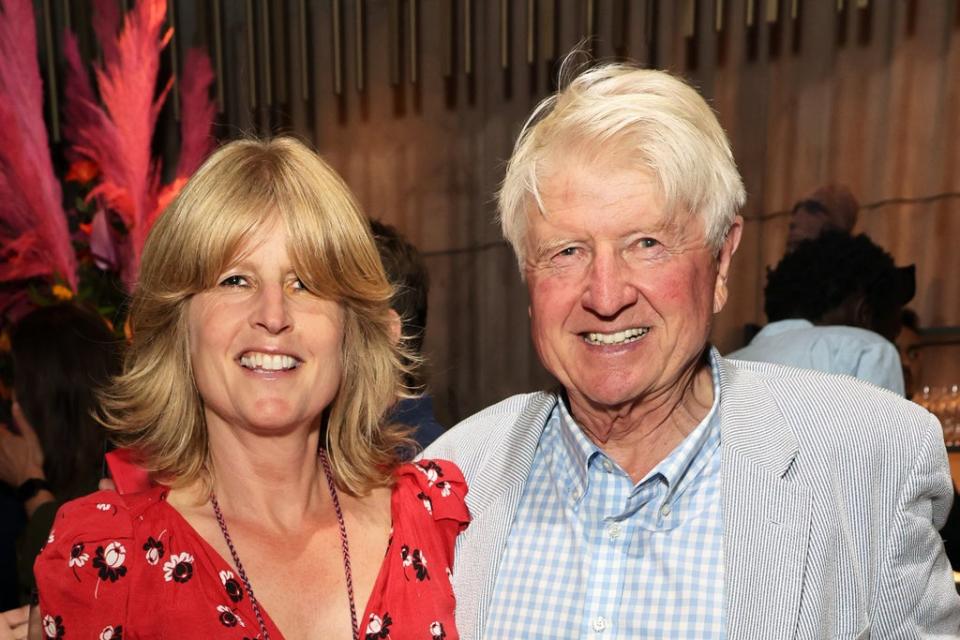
396	327
730	243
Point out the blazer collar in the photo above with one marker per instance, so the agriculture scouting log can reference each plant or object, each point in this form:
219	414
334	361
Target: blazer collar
752	425
766	516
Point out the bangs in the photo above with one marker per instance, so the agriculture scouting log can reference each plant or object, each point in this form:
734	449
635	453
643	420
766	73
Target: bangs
231	238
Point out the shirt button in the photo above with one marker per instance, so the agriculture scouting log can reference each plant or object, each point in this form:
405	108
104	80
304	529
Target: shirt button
599	624
665	510
614	530
608	466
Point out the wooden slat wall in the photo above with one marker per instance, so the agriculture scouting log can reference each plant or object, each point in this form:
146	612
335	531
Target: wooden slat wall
867	95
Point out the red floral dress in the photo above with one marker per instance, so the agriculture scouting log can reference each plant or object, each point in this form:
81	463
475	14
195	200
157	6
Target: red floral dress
131	567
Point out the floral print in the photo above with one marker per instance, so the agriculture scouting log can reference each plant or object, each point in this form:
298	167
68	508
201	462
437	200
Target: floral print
228	617
53	627
427	502
77	557
178	568
414	559
431	469
154	549
378	627
174	584
234	592
109	561
111	632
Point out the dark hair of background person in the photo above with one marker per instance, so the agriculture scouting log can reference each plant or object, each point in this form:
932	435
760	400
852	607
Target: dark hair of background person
411	281
840	279
61	355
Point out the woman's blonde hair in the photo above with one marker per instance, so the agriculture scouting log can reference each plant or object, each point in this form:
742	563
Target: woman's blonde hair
641	117
154	408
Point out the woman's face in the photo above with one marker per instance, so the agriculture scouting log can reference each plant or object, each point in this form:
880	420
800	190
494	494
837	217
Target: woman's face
266	352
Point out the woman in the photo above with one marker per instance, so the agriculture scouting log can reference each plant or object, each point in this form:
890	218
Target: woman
61	355
261	365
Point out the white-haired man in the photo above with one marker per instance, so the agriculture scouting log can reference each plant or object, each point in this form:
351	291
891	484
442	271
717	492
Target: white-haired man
665	492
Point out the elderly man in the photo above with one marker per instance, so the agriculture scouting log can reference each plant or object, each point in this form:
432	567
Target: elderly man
665	492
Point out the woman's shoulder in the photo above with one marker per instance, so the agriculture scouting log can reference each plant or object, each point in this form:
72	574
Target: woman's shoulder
104	514
435	486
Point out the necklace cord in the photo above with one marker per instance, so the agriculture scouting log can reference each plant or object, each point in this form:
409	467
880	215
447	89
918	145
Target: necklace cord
345	547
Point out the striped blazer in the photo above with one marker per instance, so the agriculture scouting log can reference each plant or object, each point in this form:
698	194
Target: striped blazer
833	492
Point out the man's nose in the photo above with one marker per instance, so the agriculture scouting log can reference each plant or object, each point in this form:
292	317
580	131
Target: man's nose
270	310
610	288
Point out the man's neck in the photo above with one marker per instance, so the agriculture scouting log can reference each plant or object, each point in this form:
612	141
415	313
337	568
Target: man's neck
640	435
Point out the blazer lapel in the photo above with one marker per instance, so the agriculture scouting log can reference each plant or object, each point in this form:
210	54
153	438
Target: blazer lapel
766	517
493	502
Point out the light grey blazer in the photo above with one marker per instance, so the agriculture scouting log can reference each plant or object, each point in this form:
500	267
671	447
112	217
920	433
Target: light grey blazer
833	492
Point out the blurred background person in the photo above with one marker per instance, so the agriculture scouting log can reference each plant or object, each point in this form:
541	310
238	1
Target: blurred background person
911	358
830	208
834	304
62	355
411	286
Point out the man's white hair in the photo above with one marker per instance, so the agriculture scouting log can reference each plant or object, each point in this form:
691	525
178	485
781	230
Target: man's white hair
647	117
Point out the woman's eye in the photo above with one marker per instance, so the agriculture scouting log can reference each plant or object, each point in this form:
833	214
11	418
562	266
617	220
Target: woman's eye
647	243
233	281
298	284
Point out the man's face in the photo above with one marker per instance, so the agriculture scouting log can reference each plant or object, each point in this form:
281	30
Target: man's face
621	295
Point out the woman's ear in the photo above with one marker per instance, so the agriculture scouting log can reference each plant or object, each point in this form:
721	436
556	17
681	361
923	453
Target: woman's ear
396	327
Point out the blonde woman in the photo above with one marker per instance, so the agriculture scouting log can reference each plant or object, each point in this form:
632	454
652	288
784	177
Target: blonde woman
261	366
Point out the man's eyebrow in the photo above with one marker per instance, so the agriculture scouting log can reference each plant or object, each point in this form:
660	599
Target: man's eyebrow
547	246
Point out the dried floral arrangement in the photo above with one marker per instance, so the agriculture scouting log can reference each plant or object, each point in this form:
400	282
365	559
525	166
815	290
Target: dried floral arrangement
89	250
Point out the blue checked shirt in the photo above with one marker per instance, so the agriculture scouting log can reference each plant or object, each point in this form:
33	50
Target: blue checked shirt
591	555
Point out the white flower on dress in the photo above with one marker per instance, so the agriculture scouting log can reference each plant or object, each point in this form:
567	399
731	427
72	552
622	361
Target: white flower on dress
50	537
179	568
154	549
50	627
375	624
104	506
444	487
436	631
427	502
114	555
228	616
78	557
108	633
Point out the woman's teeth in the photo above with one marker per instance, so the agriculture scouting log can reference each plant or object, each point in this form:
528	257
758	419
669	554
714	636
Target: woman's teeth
620	337
268	362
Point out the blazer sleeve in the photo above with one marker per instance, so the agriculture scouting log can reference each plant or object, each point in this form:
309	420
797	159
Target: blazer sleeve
916	596
82	572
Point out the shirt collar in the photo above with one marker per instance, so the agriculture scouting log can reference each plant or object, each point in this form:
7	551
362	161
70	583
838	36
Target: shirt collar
782	326
579	451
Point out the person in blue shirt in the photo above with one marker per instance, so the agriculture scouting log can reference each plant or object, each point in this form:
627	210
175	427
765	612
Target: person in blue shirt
411	281
835	305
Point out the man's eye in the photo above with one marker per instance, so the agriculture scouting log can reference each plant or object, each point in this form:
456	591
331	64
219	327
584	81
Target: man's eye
567	252
233	281
647	243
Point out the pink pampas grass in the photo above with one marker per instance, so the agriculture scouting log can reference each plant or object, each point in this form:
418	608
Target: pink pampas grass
34	237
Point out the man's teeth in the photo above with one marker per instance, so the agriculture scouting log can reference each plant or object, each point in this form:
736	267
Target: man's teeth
620	337
267	361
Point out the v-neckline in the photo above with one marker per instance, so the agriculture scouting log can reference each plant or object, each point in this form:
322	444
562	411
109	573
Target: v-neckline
268	621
